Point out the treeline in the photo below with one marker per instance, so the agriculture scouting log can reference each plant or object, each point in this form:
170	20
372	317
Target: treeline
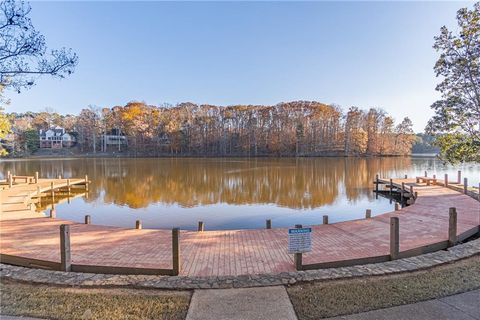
300	128
424	143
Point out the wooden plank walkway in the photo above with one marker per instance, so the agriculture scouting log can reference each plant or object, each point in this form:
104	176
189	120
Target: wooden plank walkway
239	252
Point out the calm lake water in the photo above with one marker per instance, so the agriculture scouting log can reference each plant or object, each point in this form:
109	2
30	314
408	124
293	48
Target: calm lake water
229	193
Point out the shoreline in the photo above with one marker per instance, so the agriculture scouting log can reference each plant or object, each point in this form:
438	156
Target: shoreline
143	156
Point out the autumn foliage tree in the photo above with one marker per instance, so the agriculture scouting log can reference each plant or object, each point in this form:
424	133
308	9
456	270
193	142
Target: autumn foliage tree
456	122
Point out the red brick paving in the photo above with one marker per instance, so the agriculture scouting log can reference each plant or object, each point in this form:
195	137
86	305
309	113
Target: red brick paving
241	252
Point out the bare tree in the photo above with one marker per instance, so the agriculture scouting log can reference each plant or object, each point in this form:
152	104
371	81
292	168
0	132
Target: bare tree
23	50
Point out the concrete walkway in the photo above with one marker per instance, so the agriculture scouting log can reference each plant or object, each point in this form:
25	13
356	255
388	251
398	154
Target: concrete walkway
273	303
464	306
263	303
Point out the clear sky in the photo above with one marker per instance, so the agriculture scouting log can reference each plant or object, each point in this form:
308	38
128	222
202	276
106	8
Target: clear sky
367	54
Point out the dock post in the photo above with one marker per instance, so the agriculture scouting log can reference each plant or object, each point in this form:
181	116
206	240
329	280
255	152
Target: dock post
297	258
65	253
88	219
394	238
397	206
39	196
434	179
52	192
86	183
459	177
36	176
426	175
138	224
452	226
406	176
376	183
176	251
268	224
445	180
325	219
402	191
416	195
53	212
391	186
10	181
368	213
59	177
465	185
8	175
201	226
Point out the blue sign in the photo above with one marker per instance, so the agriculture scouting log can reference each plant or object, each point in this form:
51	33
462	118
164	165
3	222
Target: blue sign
299	240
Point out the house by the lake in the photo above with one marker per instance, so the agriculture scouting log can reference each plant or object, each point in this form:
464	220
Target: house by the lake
56	138
113	138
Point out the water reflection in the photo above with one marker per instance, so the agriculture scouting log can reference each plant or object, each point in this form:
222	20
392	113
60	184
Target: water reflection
303	183
228	193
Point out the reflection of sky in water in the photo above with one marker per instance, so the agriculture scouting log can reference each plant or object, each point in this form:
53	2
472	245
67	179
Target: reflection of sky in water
231	193
217	216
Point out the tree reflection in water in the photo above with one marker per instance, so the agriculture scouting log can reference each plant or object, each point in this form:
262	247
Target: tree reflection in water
303	183
227	193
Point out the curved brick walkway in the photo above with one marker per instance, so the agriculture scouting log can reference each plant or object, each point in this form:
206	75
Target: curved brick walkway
240	252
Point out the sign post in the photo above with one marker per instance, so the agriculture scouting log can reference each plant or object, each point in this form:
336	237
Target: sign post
299	241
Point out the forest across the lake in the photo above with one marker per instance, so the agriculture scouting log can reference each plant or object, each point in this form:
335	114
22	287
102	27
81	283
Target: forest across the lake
299	128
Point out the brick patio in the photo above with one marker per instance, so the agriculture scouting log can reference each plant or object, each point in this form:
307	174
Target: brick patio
235	252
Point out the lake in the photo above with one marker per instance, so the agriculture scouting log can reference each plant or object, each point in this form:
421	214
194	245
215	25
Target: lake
229	193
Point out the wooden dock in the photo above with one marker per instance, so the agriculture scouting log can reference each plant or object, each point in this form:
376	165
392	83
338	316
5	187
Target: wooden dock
424	226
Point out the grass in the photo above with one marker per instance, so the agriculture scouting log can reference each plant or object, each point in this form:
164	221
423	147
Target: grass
333	298
75	303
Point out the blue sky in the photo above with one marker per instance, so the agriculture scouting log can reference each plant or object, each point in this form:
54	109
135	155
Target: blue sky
367	54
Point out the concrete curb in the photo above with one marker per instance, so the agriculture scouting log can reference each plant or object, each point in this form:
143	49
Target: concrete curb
421	262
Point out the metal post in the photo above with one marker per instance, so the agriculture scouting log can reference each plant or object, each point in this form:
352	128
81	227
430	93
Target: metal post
445	180
459	173
325	219
397	206
426	175
138	224
201	226
88	219
268	224
465	185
